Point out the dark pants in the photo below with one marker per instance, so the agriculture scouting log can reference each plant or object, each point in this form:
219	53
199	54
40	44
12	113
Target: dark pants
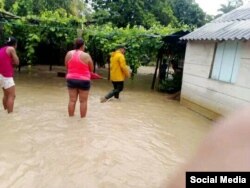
118	87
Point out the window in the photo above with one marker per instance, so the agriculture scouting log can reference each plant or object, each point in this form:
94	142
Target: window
226	61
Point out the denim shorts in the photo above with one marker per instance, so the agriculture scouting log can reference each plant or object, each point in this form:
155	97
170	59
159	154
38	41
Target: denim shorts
78	84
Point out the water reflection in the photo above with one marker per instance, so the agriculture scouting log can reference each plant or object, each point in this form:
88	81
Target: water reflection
137	142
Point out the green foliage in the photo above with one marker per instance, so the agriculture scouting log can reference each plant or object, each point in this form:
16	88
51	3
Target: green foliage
140	42
36	7
140	12
53	24
52	28
58	30
148	12
1	4
188	12
7	4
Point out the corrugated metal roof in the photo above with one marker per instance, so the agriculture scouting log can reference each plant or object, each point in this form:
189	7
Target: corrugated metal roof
234	25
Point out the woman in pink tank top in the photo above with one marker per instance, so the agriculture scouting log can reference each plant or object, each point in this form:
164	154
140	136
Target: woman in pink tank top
79	68
8	59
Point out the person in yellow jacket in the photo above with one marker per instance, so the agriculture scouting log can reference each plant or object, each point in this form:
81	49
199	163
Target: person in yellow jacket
118	73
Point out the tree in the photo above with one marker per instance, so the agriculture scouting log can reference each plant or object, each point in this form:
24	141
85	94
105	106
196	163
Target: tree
119	12
231	4
188	12
78	8
8	4
36	7
163	12
129	12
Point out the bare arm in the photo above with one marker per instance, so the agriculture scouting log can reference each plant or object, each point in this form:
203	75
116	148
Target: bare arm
85	57
67	58
12	52
91	64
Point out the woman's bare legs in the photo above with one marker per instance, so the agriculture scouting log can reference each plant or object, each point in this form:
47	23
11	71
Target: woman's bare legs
73	95
83	98
4	99
9	98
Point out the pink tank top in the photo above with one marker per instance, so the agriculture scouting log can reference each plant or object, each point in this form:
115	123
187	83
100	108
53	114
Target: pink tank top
6	67
77	69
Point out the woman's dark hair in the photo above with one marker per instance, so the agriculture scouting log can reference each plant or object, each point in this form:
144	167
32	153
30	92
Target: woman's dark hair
11	41
78	43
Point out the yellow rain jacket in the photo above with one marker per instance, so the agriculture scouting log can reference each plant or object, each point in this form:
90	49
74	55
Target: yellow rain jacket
118	67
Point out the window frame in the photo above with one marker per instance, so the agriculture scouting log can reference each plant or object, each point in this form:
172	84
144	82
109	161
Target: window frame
220	62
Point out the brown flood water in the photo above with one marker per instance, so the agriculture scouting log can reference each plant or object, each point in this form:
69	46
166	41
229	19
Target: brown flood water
138	142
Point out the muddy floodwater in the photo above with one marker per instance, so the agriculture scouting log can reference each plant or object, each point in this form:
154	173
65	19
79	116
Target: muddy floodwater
137	142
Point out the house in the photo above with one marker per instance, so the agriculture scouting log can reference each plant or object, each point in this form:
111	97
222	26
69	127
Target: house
172	48
216	76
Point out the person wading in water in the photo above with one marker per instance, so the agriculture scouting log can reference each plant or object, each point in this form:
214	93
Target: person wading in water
8	59
79	66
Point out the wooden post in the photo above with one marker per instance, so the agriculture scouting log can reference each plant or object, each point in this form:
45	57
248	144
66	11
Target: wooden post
159	58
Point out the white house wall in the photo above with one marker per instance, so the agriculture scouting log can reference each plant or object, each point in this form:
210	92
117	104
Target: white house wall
212	95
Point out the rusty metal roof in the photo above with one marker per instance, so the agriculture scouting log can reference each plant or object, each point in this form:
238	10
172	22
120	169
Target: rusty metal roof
234	25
